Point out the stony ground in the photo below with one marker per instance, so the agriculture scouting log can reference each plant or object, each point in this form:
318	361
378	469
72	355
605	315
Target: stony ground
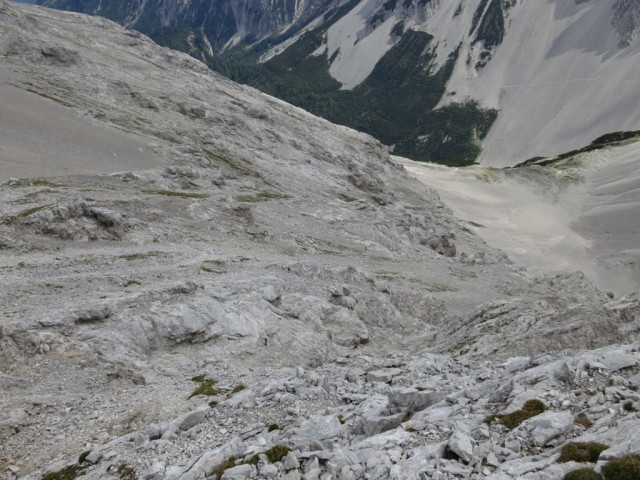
324	302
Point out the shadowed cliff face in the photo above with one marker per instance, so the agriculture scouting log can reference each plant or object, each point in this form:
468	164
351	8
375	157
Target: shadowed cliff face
221	21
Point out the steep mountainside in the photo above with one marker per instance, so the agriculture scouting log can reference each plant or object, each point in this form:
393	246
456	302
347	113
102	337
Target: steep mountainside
198	280
428	77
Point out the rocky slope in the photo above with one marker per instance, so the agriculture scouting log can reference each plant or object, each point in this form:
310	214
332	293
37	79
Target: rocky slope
261	278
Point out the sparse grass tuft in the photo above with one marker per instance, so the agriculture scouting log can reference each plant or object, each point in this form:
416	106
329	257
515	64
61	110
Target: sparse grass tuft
228	463
4	246
239	388
23	214
131	282
173	193
276	453
583	474
628	406
626	467
205	387
260	197
273	427
83	456
581	452
70	472
530	409
125	472
140	256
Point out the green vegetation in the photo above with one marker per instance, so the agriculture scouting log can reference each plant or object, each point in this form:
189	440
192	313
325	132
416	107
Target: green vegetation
206	386
4	246
23	214
276	453
125	472
511	420
131	282
228	463
83	456
581	452
604	141
171	193
491	29
477	15
395	104
583	474
140	256
70	472
628	406
273	427
260	197
626	467
239	388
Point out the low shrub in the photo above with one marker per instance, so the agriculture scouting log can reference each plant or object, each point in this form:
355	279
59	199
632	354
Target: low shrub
626	467
581	452
530	409
583	474
276	453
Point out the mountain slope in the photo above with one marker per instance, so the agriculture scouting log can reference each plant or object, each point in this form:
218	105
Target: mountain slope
274	296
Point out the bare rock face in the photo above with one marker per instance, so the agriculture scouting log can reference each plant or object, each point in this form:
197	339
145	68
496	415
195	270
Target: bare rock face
272	296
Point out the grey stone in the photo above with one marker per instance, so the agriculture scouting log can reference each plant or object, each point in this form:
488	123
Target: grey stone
547	426
619	361
374	424
192	419
269	471
414	400
320	428
158	468
384	375
462	445
239	472
291	462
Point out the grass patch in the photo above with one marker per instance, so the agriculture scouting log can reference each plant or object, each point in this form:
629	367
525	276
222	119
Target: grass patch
70	472
239	388
260	197
23	214
125	472
530	409
206	386
173	193
273	427
228	463
581	452
628	406
626	467
83	456
276	453
4	246
140	256
583	474
131	282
